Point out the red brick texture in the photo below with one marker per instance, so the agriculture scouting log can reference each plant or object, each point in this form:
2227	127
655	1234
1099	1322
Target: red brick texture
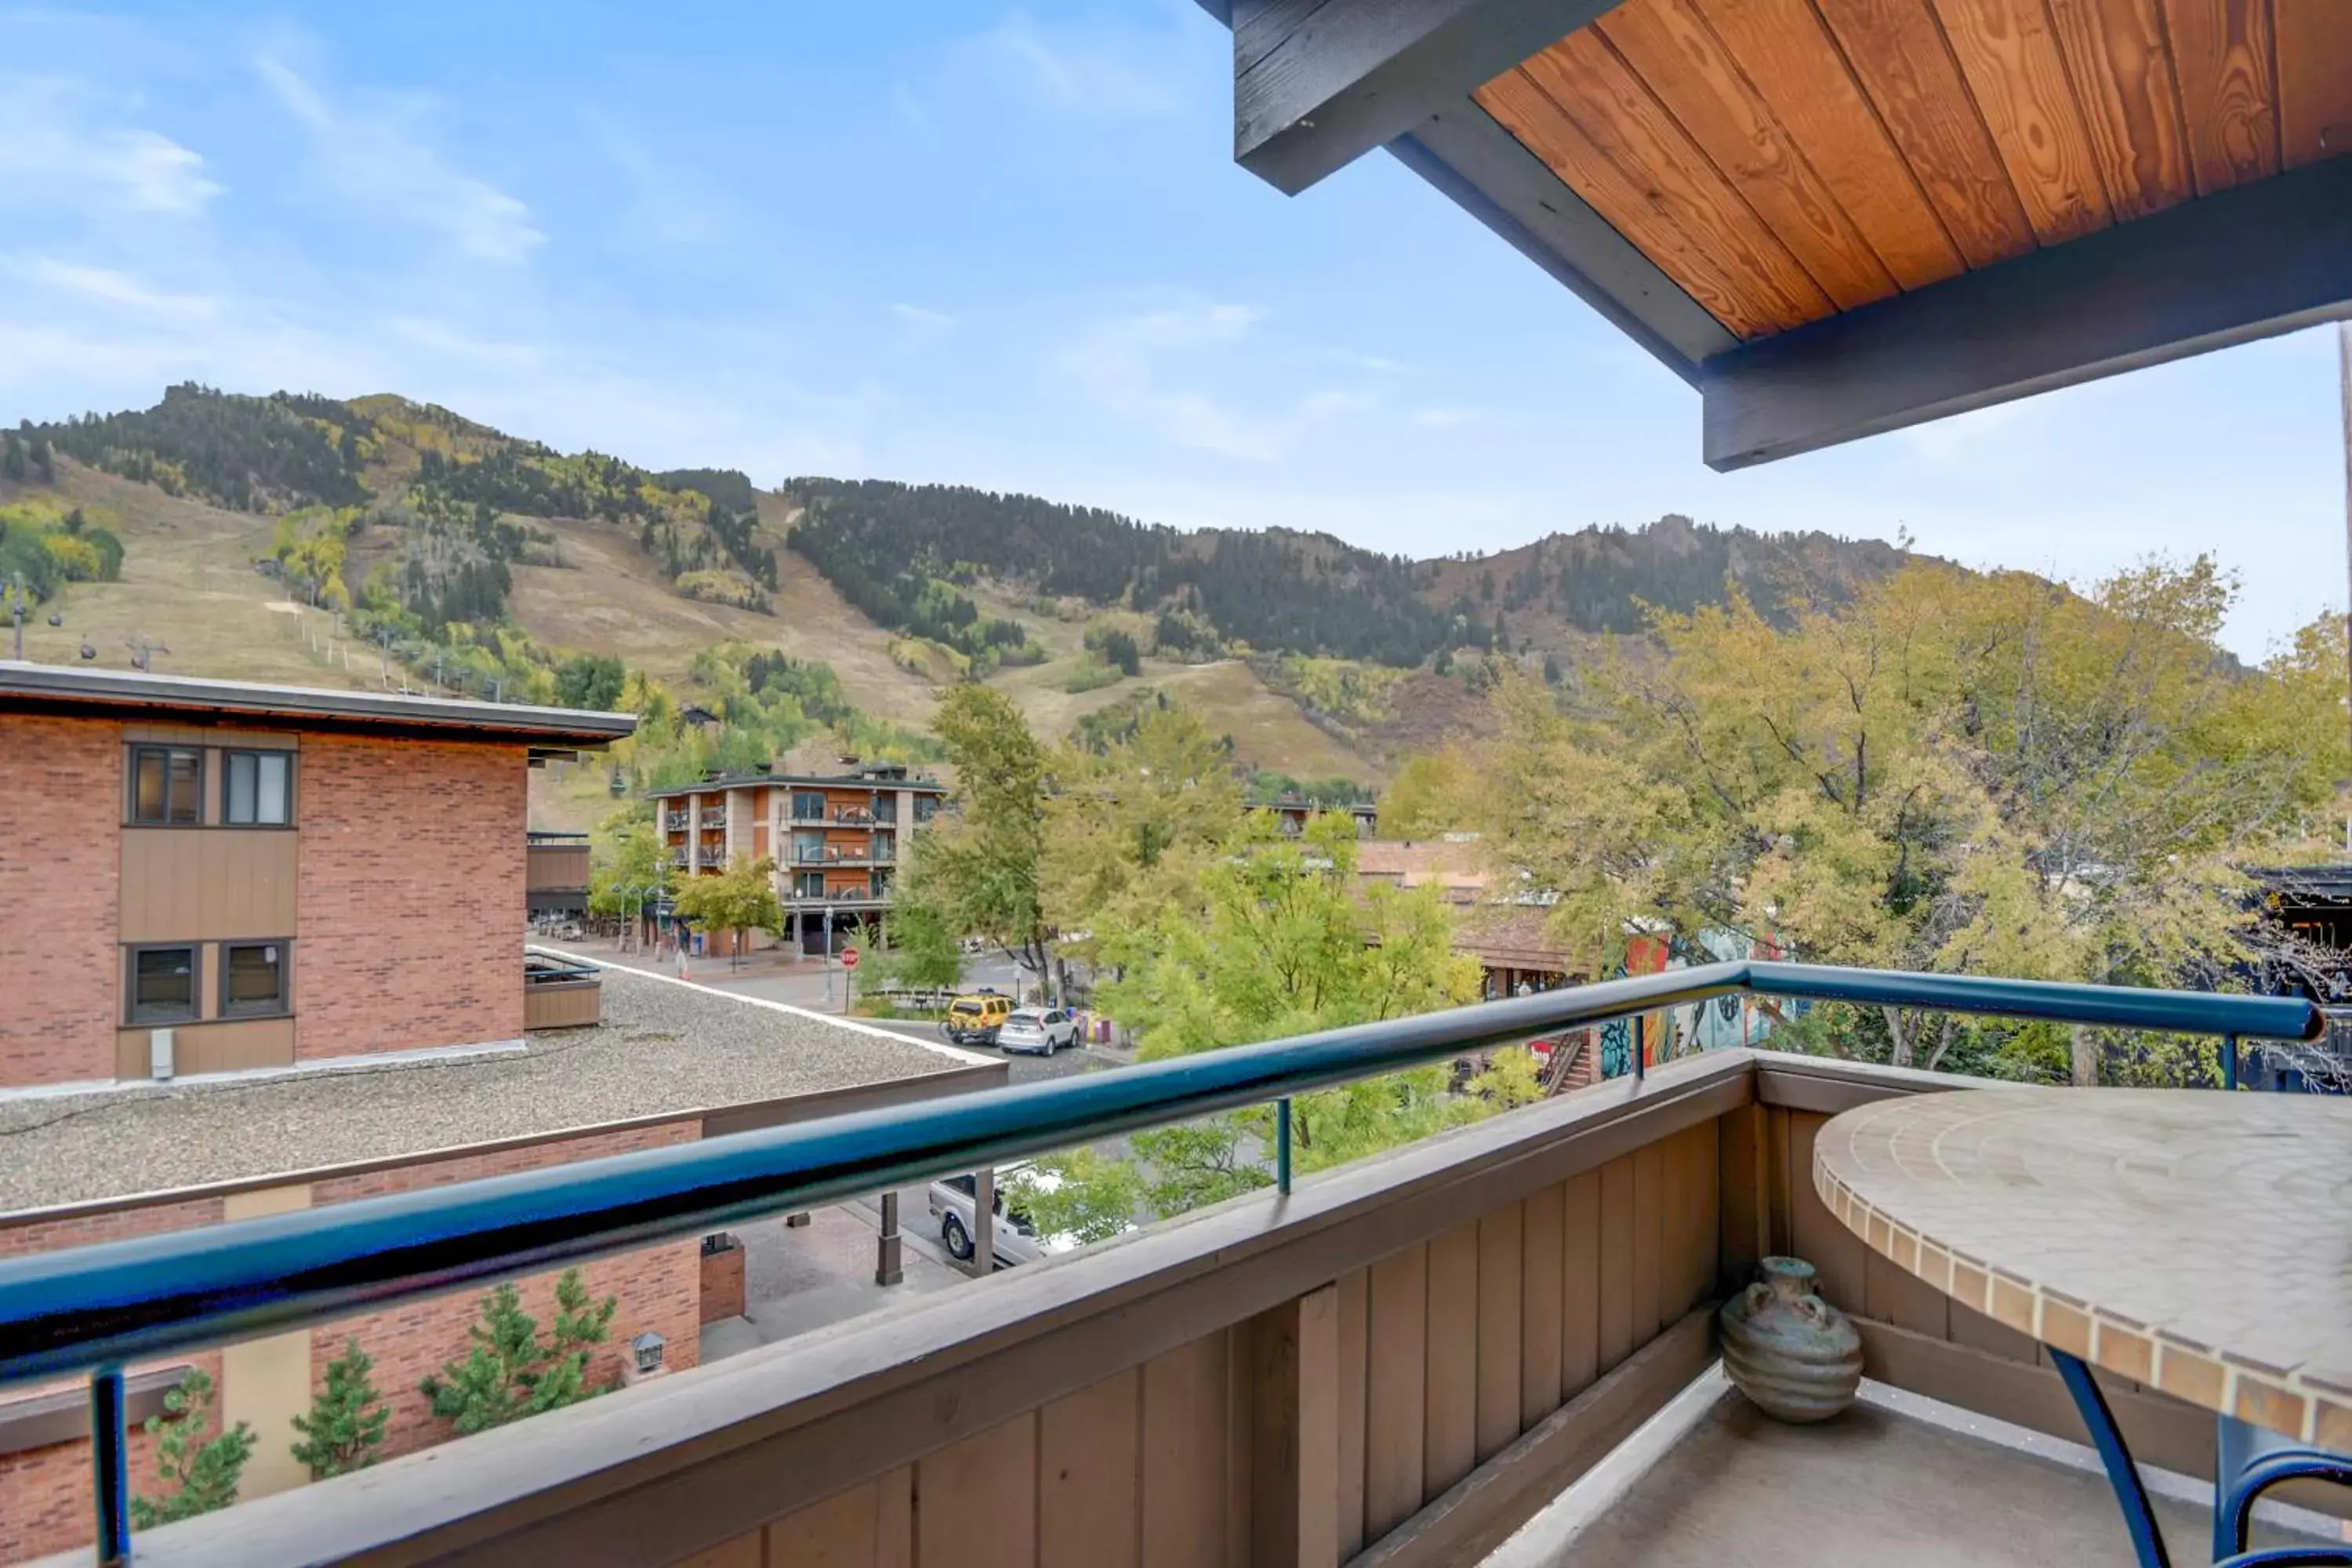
60	819
722	1284
412	895
45	1502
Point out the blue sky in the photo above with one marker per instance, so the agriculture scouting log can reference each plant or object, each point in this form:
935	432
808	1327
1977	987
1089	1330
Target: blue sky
1004	246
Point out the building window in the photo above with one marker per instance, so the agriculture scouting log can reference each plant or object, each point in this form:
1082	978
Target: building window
808	805
167	786
259	789
809	885
163	985
924	806
253	978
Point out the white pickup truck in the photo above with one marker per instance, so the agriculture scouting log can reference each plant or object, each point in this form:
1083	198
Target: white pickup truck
1015	1238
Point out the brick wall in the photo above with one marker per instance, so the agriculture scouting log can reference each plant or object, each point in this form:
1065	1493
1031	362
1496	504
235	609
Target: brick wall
60	820
412	895
45	1502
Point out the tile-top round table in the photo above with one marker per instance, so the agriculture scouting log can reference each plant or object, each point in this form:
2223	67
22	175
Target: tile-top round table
2198	1242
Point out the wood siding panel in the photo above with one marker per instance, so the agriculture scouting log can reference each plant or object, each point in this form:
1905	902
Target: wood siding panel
1397	1337
2131	105
1540	1298
1617	1333
1744	1196
1649	1242
1450	1430
978	1498
1184	1454
1087	1511
233	1045
1893	1295
1353	1287
1501	1288
1579	1311
1782	48
1898	52
195	884
1679	56
1835	1252
2017	74
1620	150
2223	53
2314	87
842	1532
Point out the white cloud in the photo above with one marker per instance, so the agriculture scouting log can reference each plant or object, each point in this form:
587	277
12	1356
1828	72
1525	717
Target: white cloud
53	157
1076	73
368	151
1947	441
1119	363
106	286
922	316
670	202
1443	418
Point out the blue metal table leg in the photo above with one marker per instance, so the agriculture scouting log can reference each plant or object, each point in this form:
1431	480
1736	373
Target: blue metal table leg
2139	1518
2233	1506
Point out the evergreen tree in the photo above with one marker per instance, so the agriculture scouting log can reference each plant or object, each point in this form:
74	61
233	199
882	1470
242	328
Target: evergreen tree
347	1419
43	463
201	1473
510	1372
12	459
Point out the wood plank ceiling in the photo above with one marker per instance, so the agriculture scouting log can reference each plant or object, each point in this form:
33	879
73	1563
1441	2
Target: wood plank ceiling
1786	160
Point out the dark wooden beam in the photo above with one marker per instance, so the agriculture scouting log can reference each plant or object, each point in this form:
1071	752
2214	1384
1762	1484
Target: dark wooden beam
1318	83
1467	155
2247	263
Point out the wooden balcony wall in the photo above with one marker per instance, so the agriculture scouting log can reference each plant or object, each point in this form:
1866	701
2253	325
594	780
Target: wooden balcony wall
1398	1365
562	1004
555	868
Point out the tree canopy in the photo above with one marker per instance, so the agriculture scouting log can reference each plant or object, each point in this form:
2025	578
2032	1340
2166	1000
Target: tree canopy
1955	772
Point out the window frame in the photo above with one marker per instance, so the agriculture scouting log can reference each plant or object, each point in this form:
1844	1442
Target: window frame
228	755
132	1018
139	751
283	1005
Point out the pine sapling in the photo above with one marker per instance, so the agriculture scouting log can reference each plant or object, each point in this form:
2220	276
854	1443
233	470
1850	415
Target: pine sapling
201	1474
347	1420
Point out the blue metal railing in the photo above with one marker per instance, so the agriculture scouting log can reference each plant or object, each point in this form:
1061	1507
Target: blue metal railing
96	1307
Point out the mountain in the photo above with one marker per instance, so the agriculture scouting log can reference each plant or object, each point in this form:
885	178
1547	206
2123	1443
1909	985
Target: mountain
1323	659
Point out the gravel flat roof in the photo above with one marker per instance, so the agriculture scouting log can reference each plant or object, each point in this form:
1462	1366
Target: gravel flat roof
664	1048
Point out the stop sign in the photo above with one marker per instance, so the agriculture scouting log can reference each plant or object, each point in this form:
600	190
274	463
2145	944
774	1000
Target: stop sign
848	957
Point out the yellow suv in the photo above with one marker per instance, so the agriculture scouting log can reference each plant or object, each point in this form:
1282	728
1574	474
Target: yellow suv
974	1019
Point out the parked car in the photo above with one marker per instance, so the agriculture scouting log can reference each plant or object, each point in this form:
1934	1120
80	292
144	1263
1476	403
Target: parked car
1037	1030
974	1020
1015	1238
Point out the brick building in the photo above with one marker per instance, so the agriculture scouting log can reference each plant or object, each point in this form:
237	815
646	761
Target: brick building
211	876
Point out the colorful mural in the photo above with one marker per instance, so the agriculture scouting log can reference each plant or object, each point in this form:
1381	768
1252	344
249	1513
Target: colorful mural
1708	1026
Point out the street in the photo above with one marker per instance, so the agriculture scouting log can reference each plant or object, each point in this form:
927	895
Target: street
807	984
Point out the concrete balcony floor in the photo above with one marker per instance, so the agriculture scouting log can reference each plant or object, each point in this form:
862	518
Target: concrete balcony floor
1897	1479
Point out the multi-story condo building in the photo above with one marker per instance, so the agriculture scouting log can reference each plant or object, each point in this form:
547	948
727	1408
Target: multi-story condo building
836	839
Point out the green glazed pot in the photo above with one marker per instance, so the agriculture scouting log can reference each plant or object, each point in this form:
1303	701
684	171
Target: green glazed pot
1794	1355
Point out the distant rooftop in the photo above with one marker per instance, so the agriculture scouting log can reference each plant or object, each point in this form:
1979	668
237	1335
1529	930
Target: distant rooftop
897	775
128	694
664	1050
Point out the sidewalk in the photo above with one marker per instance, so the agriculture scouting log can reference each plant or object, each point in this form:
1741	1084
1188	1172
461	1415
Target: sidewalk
801	1277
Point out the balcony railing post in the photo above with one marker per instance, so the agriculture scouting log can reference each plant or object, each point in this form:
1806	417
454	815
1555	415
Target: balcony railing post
1282	1144
2229	1061
110	1457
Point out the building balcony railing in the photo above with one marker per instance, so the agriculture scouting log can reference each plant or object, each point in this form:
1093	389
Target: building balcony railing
843	854
714	819
1409	1355
675	821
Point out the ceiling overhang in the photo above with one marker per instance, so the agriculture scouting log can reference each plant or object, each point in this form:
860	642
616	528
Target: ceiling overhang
1838	217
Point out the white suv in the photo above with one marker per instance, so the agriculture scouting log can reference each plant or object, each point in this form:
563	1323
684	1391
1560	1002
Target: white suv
1014	1238
1037	1030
